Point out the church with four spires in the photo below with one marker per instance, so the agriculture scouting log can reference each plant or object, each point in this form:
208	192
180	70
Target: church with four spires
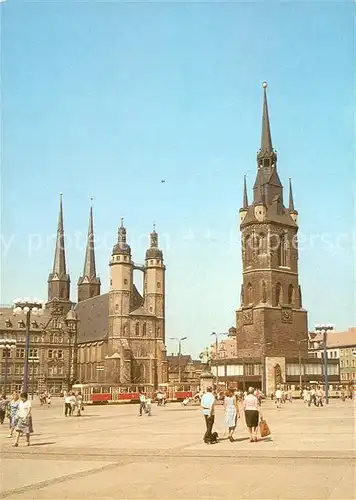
119	335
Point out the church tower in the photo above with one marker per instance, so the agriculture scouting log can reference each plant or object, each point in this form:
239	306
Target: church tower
89	284
271	322
154	288
58	279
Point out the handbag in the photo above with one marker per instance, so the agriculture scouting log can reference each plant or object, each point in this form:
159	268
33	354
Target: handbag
264	429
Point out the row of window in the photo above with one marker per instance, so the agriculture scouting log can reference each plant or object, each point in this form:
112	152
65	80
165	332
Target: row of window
348	376
278	294
51	339
34	353
20	324
19	370
237	370
348	352
346	363
293	369
261	244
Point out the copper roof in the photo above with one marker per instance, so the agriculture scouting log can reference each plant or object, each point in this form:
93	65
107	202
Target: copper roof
93	318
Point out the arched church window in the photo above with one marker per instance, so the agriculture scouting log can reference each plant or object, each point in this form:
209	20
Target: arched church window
144	329
62	293
158	331
248	243
283	250
278	294
263	292
263	244
125	281
137	329
290	294
249	294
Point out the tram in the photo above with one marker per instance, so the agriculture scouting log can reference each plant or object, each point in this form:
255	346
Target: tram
99	394
102	394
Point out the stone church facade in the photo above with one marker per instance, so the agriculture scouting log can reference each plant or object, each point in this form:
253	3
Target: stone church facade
116	338
271	323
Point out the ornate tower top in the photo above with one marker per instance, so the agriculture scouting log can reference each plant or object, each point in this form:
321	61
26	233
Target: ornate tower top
266	151
121	246
154	252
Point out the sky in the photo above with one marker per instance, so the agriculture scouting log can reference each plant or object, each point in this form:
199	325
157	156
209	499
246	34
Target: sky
104	99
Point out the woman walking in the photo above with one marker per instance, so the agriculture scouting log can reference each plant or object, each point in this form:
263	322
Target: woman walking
13	407
24	419
231	410
251	414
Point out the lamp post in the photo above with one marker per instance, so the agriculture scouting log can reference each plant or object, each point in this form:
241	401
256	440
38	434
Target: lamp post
263	366
299	359
216	355
27	307
325	328
7	345
33	360
179	340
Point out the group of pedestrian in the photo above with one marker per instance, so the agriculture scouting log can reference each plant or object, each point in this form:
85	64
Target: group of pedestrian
250	406
73	404
18	411
45	398
314	396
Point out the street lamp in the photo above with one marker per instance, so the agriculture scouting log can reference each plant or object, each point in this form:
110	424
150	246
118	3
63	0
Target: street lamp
7	345
33	360
263	366
179	340
27	307
216	354
299	359
325	328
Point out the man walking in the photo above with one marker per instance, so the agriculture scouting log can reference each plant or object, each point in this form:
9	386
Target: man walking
207	403
142	403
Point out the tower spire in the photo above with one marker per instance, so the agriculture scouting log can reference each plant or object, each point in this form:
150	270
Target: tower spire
245	198
291	201
89	284
266	138
59	262
59	280
89	264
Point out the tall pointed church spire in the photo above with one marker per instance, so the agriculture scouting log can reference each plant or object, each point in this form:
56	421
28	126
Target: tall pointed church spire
58	280
89	283
59	262
245	198
291	201
266	151
89	263
266	139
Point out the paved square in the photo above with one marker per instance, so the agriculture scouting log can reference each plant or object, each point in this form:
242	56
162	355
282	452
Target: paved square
111	452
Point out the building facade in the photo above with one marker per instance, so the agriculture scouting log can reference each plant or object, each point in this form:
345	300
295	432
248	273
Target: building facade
340	346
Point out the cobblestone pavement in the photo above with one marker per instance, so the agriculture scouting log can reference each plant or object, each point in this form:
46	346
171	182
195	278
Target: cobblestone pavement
112	453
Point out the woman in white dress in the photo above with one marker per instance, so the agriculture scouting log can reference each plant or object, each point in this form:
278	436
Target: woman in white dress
231	410
24	419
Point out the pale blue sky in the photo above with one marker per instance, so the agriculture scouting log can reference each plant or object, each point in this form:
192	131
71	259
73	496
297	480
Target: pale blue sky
105	99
